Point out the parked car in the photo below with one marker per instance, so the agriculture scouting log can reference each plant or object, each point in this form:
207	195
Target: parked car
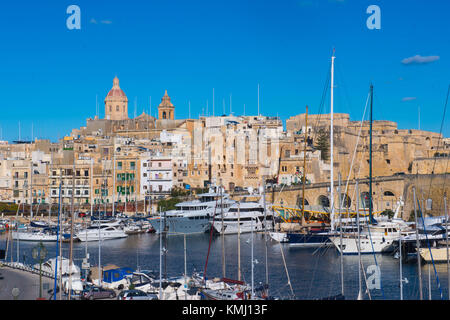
136	295
95	292
238	189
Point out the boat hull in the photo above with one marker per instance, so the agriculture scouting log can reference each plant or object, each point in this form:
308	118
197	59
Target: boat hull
308	239
350	245
181	225
94	236
26	236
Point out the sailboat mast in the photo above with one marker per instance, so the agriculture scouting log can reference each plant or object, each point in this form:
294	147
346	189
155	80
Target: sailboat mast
71	227
114	179
340	237
160	254
446	243
304	164
359	243
331	143
239	240
223	235
419	267
58	235
370	158
31	190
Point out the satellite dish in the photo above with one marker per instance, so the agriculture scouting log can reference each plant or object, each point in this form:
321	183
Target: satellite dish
250	190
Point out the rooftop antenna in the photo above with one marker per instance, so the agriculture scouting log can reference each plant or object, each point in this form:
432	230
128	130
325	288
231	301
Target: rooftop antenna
213	102
19	130
32	133
258	99
207	112
189	103
419	117
223	102
150	111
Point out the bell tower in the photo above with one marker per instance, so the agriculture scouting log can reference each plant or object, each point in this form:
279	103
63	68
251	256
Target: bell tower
166	110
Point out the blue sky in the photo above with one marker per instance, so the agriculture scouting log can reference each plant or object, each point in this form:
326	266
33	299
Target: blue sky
50	75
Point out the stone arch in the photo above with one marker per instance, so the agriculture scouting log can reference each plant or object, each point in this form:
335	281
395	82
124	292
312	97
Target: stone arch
389	194
323	200
299	201
164	115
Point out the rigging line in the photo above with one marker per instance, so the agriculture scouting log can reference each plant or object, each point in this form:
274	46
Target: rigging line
209	245
286	269
440	138
431	254
373	250
365	280
356	146
322	102
340	76
314	273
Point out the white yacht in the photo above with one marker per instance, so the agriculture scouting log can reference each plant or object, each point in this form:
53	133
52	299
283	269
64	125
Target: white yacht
244	217
193	216
36	234
374	238
103	231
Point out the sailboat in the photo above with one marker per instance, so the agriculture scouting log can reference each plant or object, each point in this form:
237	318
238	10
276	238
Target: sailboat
375	237
316	237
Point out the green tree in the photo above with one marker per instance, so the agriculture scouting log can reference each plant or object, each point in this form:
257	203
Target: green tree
323	144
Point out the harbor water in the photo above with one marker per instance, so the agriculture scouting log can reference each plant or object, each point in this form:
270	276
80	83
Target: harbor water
314	273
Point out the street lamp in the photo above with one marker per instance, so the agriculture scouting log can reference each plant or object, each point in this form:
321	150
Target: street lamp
40	252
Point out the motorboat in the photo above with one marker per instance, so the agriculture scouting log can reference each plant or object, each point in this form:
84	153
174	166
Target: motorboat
244	217
374	238
36	234
193	216
102	231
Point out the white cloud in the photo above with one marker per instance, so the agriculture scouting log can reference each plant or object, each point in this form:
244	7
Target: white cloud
418	59
409	98
93	21
106	21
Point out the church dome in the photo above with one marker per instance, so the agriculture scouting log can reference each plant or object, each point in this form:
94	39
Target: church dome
116	92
